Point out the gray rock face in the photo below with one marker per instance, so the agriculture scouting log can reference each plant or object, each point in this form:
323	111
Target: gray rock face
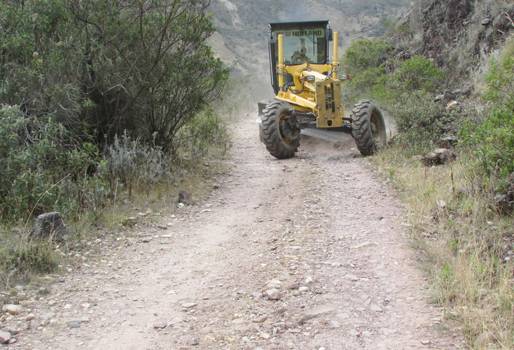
49	225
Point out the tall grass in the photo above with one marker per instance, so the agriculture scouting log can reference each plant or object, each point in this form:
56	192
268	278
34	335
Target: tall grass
466	242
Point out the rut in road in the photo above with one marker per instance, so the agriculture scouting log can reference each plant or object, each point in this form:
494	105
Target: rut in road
319	233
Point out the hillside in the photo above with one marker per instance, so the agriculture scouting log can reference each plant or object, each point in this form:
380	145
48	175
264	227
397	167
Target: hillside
459	35
445	72
242	26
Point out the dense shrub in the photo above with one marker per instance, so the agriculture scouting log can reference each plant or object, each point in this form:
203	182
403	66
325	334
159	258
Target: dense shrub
102	67
365	54
405	88
492	141
419	118
42	167
132	164
417	74
206	132
102	89
500	78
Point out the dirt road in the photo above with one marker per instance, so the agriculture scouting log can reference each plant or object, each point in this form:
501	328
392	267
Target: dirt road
307	253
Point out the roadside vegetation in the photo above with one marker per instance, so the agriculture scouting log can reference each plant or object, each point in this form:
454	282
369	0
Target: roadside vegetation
460	214
102	104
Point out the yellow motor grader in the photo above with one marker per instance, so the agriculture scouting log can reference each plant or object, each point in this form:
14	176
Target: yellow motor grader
308	92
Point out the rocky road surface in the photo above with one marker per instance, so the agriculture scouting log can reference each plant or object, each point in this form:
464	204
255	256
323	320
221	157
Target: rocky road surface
308	253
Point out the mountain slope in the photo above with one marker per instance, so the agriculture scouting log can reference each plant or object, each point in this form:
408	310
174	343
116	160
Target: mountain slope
459	35
242	26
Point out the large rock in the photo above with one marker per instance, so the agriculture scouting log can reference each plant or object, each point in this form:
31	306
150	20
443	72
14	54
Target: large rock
12	309
4	337
439	157
49	226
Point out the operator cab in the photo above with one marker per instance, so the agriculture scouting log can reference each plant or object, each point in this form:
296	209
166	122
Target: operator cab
304	42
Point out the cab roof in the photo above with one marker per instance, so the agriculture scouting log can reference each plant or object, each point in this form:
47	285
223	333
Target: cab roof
297	24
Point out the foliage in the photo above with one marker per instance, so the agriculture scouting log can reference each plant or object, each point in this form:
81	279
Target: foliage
43	167
131	163
365	54
102	90
492	140
493	143
83	73
418	74
406	88
206	132
102	67
419	118
500	78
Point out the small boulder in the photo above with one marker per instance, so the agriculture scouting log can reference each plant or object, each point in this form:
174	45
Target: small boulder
74	324
49	225
12	309
439	157
453	106
449	141
129	222
185	198
486	21
439	98
276	284
273	294
4	337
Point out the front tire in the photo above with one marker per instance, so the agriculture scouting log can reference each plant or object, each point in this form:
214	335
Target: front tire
280	133
368	128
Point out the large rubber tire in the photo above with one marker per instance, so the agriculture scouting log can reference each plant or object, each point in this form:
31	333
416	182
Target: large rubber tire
281	143
368	128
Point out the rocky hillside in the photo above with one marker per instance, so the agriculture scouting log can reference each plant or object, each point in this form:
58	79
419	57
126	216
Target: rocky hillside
241	40
459	35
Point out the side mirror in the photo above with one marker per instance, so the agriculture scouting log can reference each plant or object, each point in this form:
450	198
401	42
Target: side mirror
330	34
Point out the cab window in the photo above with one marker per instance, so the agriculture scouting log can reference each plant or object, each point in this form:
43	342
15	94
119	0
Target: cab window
304	46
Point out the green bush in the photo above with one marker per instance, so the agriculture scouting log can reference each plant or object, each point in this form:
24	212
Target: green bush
98	75
492	141
102	67
419	118
364	54
405	88
43	167
500	78
206	132
417	74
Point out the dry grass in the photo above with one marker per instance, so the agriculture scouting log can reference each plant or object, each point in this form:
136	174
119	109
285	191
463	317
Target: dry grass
21	261
466	245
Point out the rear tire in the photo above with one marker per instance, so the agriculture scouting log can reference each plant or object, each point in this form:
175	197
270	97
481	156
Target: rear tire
279	132
368	128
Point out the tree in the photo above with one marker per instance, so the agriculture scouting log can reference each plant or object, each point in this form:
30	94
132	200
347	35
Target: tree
102	67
